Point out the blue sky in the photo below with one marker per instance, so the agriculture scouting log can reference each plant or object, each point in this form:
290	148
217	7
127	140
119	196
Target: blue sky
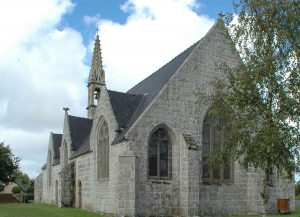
111	10
45	55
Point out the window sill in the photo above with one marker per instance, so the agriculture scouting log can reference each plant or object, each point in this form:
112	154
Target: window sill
218	183
101	180
161	181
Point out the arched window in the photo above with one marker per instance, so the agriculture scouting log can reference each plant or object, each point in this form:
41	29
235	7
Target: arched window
56	192
159	154
49	168
79	194
103	150
213	139
66	155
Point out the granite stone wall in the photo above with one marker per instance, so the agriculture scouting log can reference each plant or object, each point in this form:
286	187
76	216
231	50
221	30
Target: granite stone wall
50	193
67	180
38	189
127	188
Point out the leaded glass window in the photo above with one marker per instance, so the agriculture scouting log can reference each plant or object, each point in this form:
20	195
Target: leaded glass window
66	156
159	154
103	151
49	168
213	139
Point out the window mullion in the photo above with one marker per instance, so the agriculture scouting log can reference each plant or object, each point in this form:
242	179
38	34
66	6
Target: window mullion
158	158
210	152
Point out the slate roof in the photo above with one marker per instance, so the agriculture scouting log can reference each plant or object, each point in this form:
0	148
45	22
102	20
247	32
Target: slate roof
56	145
124	105
80	130
149	88
154	83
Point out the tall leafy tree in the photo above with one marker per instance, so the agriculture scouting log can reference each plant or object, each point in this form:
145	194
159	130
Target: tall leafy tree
260	99
9	165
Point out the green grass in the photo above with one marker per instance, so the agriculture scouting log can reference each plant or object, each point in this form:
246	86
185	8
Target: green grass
297	197
41	210
296	213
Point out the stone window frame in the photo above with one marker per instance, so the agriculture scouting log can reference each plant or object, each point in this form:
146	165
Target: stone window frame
49	168
211	129
65	154
101	158
79	193
170	136
56	192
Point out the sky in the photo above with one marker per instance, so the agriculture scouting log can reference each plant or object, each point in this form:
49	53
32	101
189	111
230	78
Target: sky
45	57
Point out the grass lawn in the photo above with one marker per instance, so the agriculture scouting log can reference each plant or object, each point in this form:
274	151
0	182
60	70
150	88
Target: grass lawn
296	213
41	210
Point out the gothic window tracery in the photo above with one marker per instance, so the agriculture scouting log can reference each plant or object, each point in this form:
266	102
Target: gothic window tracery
66	155
49	168
213	139
103	150
159	154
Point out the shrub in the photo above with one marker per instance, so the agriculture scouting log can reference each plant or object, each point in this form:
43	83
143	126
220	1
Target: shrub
16	190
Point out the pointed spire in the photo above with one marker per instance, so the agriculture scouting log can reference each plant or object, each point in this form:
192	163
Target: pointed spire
97	72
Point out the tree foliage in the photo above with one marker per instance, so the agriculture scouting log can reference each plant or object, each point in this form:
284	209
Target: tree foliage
23	177
260	100
16	190
9	165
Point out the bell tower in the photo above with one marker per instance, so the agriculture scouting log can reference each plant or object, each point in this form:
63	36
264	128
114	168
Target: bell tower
96	78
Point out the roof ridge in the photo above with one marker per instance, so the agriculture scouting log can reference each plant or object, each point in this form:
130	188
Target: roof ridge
132	94
79	117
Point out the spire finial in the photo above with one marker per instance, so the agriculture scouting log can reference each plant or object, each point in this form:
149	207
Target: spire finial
97	30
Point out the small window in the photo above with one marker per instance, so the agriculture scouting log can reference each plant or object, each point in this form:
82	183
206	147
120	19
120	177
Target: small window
213	139
159	154
49	168
66	155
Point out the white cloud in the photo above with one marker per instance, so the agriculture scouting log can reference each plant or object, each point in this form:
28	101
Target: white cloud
42	67
154	33
91	19
41	70
31	147
24	19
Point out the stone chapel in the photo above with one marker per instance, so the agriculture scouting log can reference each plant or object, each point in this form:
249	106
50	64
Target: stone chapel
142	153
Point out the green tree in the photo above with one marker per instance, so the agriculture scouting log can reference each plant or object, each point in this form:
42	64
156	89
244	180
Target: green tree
260	99
23	177
9	165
